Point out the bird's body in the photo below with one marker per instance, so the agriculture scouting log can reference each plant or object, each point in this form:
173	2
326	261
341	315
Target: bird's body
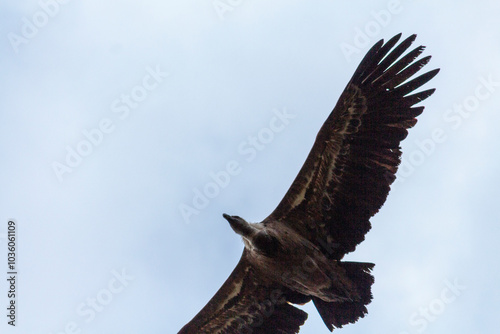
279	254
295	254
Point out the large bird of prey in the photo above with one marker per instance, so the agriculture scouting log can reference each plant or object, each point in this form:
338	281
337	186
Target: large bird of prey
295	254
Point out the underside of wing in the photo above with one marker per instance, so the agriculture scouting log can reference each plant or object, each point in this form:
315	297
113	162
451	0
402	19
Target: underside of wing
347	175
245	304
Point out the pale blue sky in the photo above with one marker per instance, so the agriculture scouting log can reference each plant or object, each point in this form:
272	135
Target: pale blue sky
160	96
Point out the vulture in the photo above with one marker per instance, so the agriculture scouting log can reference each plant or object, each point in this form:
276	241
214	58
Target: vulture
294	256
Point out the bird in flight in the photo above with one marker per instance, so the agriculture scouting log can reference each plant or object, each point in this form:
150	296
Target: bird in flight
295	254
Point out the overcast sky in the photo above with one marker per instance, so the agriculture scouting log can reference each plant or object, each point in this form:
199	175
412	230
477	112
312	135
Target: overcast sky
119	120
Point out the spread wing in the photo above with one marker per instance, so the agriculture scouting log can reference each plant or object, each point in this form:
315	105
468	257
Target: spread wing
347	175
245	304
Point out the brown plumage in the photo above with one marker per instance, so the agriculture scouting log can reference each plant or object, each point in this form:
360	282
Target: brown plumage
294	255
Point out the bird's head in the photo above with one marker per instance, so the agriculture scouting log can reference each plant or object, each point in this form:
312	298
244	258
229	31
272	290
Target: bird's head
254	236
241	226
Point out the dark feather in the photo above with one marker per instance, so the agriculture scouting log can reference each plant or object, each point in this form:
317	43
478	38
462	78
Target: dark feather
347	175
246	304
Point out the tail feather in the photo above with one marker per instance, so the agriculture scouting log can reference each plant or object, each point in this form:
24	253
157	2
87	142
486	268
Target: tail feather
337	314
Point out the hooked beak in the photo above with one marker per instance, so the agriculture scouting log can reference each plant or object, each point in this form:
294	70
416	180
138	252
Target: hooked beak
239	225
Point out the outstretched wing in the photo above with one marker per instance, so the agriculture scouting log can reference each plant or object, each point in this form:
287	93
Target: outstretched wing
245	304
347	175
